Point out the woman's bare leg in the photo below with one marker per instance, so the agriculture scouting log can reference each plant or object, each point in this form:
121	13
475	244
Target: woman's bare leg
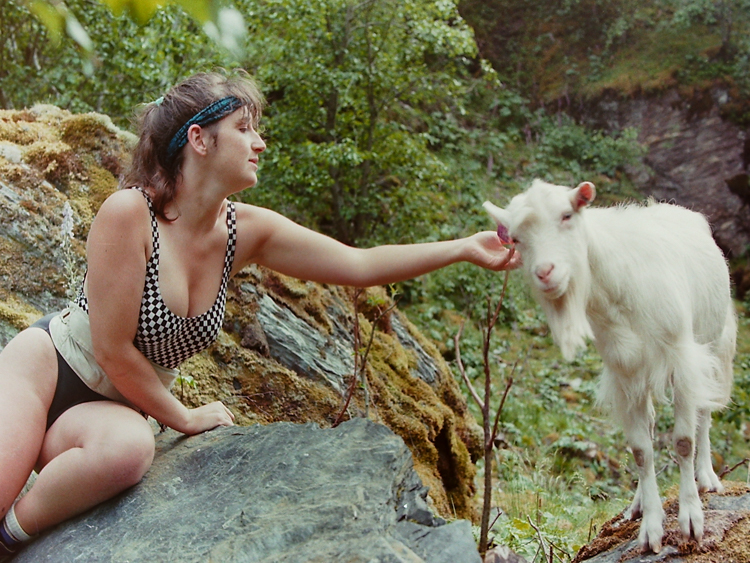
91	453
28	377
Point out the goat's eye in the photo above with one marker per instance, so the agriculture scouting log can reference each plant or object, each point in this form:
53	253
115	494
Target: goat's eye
515	240
567	216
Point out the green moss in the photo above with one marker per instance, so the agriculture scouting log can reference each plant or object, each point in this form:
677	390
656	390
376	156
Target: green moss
90	132
18	314
56	161
23	131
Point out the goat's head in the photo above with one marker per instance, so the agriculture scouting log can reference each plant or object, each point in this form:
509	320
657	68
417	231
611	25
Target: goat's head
545	224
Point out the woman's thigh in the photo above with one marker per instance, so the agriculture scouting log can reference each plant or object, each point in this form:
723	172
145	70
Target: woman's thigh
112	434
28	376
91	453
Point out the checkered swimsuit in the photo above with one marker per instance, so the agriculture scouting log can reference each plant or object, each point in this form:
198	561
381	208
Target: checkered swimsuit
163	337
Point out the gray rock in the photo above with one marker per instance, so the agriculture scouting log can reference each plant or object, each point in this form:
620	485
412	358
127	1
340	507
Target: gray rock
300	347
266	494
693	157
667	554
503	554
426	368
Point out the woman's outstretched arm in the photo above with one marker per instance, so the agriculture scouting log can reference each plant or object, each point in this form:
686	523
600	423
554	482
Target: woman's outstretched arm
269	239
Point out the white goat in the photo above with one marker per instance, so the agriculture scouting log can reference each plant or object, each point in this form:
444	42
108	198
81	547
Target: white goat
651	288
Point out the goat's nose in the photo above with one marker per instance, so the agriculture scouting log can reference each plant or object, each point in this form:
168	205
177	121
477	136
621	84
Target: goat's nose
543	271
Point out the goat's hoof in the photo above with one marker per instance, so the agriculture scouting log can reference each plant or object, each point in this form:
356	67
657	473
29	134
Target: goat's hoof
654	547
633	512
651	533
691	520
709	484
692	531
708	481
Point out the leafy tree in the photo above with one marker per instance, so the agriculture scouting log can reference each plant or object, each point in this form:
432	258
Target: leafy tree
131	63
349	85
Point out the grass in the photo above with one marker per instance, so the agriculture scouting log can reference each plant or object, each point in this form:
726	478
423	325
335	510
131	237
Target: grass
650	61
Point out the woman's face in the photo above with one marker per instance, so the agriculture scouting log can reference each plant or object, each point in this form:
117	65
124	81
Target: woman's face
235	150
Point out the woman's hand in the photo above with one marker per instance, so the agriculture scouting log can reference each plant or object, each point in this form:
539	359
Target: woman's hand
208	417
486	250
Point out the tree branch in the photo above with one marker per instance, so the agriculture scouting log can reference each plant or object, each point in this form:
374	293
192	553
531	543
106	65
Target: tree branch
462	371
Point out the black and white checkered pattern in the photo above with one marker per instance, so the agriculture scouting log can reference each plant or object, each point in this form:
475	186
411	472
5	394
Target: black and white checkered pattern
163	337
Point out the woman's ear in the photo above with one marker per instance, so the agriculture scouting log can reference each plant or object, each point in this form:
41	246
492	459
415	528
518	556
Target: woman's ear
197	138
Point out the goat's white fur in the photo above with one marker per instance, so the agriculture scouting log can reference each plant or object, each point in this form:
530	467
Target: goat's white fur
649	286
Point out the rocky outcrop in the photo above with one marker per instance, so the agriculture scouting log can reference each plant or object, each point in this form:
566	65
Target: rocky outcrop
726	529
287	348
265	494
695	157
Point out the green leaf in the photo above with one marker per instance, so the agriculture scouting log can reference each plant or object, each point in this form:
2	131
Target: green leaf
50	16
201	10
77	33
143	10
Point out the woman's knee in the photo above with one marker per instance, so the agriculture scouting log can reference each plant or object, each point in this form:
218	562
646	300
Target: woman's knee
129	455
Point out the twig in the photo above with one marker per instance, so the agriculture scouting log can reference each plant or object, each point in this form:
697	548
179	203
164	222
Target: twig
462	371
727	470
552	545
502	404
353	383
360	361
499	514
505	287
487	420
538	535
363	371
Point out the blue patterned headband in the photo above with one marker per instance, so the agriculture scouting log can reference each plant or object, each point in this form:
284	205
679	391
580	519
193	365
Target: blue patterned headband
214	112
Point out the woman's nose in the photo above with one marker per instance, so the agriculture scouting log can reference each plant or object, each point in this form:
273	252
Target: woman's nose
259	145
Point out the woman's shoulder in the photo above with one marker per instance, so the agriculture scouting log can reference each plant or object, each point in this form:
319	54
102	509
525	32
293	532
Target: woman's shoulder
254	213
126	201
124	208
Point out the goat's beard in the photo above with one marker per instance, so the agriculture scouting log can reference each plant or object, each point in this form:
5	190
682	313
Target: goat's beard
566	315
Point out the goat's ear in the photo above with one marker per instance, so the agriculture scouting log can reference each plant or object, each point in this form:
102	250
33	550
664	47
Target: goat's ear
582	195
501	216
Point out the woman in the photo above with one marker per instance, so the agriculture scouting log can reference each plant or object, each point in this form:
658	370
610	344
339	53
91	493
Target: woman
76	384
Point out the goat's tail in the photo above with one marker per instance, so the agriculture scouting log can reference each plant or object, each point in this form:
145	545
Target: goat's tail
700	376
725	349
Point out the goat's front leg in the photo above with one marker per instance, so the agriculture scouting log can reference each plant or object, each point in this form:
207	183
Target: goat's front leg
690	516
638	424
704	471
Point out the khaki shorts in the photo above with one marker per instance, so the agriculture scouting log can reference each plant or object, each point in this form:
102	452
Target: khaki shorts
71	334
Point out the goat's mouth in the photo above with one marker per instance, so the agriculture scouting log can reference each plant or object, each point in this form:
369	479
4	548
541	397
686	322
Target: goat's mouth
552	290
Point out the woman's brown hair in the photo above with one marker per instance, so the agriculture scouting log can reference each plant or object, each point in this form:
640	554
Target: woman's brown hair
152	166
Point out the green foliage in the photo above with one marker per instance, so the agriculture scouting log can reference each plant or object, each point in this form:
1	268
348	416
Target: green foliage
571	148
571	49
348	83
221	22
132	64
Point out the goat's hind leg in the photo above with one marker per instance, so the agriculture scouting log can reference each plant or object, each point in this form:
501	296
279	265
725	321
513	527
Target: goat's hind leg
704	471
690	515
